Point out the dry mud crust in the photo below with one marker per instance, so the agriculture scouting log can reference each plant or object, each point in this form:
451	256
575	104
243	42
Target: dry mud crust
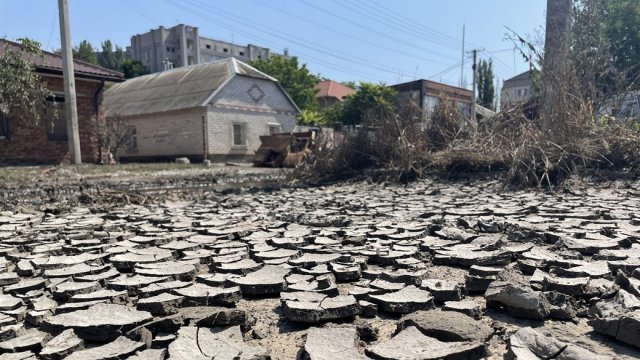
264	270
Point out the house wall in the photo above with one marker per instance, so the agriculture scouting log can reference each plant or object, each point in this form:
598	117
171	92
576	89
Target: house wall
516	91
516	94
170	134
254	103
28	142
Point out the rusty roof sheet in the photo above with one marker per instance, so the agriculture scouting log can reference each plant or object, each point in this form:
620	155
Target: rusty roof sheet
180	88
334	89
53	62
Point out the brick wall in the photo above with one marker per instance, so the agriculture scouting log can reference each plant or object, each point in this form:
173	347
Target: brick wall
169	134
28	142
254	103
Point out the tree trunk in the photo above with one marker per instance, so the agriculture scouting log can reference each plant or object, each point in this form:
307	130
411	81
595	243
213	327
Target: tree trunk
556	48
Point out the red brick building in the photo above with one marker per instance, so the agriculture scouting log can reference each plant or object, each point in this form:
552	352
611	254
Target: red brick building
23	141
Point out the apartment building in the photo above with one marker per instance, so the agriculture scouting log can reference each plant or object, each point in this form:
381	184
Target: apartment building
166	48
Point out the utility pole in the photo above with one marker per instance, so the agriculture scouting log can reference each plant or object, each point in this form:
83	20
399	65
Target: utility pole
475	67
462	64
71	108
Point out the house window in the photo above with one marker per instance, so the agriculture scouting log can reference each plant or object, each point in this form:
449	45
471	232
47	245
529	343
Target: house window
241	53
239	135
274	129
168	49
54	115
225	50
208	46
132	144
431	102
259	57
4	125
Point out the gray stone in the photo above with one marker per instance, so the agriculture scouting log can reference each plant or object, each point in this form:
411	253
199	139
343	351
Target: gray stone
62	345
331	343
624	328
447	326
32	340
442	290
210	316
149	354
203	295
241	267
308	307
8	302
118	349
410	343
404	301
101	322
468	307
175	270
113	296
269	280
201	343
519	300
368	309
527	344
163	304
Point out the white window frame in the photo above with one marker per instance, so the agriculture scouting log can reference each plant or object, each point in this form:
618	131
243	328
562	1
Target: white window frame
233	135
276	126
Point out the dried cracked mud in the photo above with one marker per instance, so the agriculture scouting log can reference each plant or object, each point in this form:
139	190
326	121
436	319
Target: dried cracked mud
431	270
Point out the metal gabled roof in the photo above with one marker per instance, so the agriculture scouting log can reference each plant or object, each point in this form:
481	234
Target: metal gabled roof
181	88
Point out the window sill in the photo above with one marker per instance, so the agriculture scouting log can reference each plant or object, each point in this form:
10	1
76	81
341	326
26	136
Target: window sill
239	147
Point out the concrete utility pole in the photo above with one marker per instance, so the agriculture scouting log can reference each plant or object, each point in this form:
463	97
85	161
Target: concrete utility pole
73	135
556	48
462	64
474	67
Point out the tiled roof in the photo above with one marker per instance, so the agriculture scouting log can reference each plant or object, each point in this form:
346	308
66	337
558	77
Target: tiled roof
51	62
334	89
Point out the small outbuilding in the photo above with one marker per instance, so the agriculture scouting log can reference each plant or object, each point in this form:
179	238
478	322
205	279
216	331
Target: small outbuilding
215	111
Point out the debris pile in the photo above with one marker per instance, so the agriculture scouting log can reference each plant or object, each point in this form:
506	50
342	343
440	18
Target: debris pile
284	150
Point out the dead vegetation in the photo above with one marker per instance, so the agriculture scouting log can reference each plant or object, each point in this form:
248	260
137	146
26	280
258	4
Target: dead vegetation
394	146
540	148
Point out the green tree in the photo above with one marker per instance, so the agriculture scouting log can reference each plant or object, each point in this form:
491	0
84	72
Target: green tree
486	89
295	79
132	68
85	52
621	28
369	99
20	85
109	58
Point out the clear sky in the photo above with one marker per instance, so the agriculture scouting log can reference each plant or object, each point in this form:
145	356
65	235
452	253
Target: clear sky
388	41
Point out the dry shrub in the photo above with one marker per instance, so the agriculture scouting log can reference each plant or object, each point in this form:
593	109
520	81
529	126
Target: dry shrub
388	140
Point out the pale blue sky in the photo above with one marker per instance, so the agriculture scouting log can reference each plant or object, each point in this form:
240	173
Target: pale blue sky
387	41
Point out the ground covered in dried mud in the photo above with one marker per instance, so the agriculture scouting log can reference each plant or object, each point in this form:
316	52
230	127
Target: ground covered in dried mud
431	270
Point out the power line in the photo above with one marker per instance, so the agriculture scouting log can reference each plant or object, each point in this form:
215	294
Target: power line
206	10
366	28
140	10
417	25
300	42
362	40
368	12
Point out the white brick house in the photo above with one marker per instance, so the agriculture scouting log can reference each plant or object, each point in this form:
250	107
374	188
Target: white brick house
211	111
